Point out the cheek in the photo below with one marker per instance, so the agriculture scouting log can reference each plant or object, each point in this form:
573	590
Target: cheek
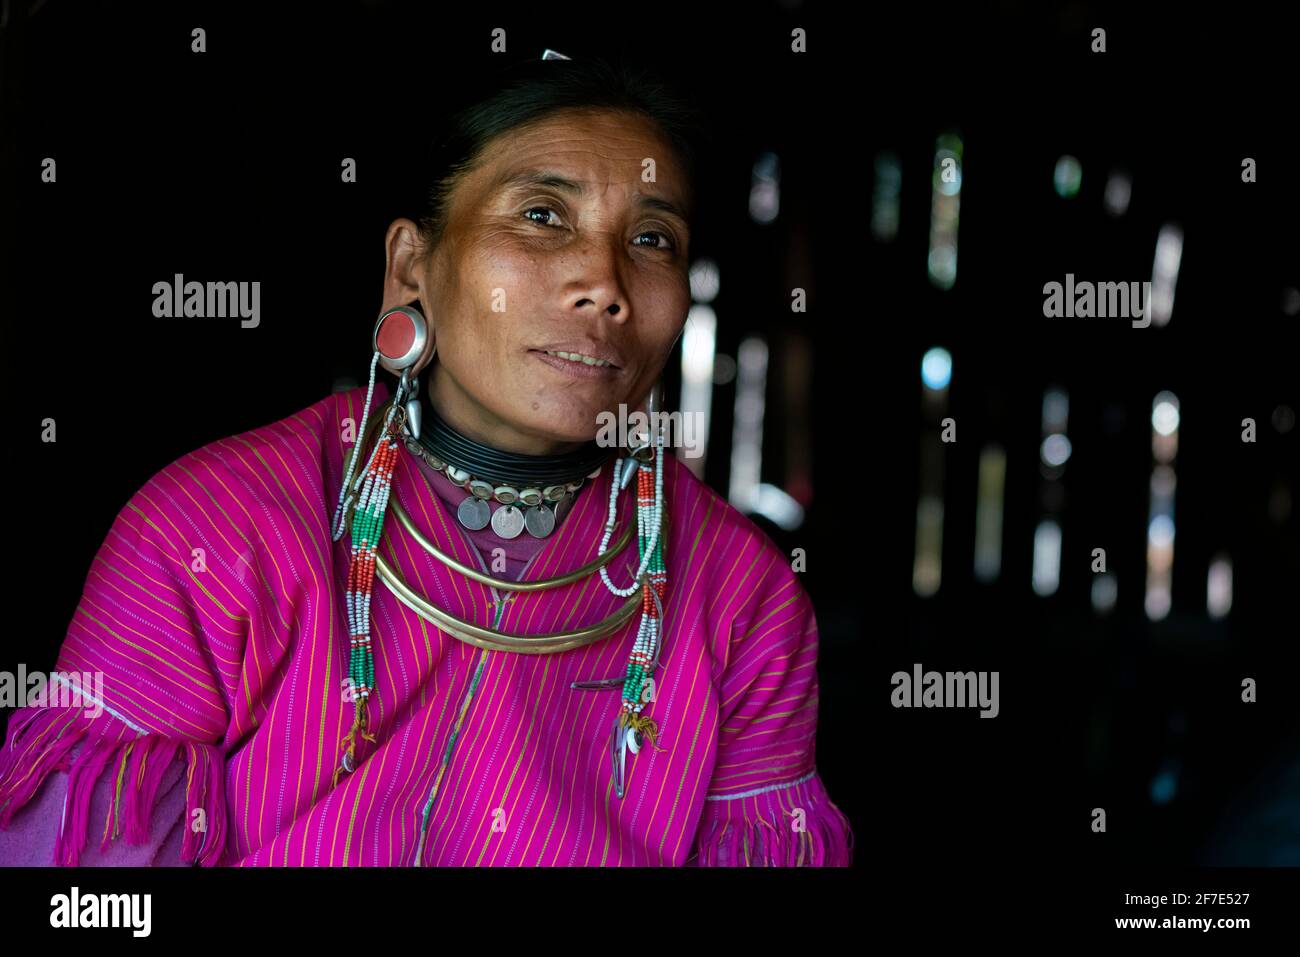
491	288
503	287
666	309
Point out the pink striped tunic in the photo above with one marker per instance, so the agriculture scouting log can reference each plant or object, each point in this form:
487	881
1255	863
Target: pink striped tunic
214	610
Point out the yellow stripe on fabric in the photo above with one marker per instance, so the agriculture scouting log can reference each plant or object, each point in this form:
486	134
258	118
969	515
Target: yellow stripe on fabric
702	562
588	592
171	550
736	737
190	659
163	661
607	659
254	569
297	526
539	604
179	595
95	575
328	683
534	696
121	701
737	591
721	780
284	495
546	563
446	541
800	751
614	646
681	779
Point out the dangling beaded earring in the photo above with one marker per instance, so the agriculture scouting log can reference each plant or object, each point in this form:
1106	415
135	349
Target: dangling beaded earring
400	338
631	725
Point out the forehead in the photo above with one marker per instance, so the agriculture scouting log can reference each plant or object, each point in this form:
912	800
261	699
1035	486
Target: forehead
596	149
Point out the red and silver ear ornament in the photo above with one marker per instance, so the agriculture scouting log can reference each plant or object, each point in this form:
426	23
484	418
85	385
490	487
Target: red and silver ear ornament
401	335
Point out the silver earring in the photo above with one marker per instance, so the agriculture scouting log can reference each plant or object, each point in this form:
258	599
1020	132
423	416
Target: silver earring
401	335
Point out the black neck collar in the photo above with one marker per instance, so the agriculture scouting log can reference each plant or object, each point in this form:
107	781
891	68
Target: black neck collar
512	468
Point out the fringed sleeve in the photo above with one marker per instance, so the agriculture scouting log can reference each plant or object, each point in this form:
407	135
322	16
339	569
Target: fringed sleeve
138	683
783	825
766	804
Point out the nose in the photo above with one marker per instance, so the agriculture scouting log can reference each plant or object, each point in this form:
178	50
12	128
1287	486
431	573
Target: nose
597	289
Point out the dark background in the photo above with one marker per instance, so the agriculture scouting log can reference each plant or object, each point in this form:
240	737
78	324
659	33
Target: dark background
225	165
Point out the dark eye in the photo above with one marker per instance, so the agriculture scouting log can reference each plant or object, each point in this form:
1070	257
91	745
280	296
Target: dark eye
667	241
540	209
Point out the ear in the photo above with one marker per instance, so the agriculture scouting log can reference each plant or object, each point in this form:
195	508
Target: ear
404	272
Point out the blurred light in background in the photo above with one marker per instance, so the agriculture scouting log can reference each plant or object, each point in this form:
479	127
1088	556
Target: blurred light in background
988	513
724	369
747	425
927	564
927	571
1164	274
1056	410
936	368
777	505
1055	450
1105	589
1047	557
705	280
1164	427
1119	188
698	345
765	188
1218	587
1067	177
1283	419
945	205
1160	524
1164	786
885	195
1291	301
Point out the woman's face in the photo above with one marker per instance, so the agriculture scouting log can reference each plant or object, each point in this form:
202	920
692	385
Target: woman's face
554	243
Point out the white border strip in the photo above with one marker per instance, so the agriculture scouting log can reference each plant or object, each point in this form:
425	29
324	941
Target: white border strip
770	787
58	676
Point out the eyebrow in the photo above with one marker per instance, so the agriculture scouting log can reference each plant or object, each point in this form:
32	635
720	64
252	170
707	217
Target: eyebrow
535	177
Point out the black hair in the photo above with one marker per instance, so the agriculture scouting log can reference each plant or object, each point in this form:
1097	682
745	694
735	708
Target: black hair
530	90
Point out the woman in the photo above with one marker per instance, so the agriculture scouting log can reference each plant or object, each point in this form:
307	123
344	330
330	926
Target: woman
441	624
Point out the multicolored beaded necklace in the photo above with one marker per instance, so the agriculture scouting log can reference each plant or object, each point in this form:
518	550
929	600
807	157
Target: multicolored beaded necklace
638	683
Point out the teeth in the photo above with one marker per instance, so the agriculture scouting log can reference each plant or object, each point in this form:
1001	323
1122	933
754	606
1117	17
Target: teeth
578	357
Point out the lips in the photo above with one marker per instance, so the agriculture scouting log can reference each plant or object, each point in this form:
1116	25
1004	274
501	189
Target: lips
576	368
578	357
594	354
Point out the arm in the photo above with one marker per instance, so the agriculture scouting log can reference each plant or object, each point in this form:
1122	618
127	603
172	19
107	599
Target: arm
766	804
140	710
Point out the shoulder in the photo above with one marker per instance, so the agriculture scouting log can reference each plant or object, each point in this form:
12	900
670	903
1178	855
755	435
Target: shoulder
745	575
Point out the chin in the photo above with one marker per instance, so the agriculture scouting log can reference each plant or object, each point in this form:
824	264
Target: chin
568	424
566	421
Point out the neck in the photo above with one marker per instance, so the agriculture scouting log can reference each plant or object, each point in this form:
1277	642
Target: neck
475	422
